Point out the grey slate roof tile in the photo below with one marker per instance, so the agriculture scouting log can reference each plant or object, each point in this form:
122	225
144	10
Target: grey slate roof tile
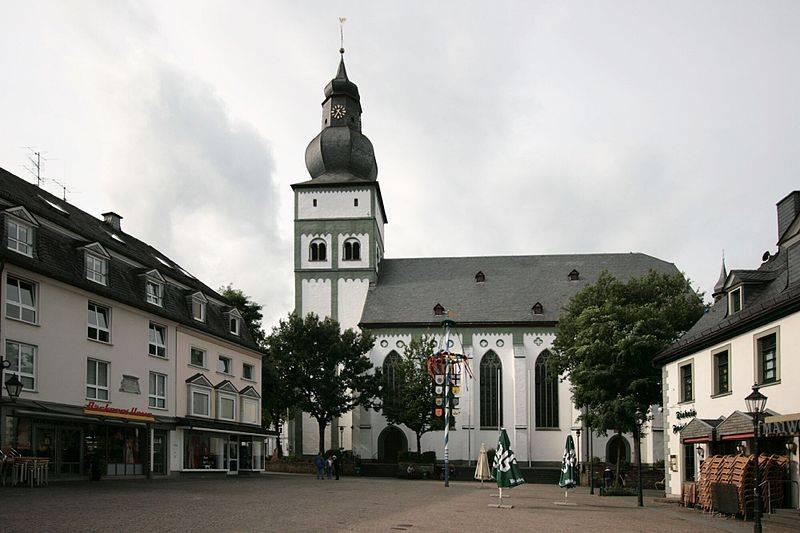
408	289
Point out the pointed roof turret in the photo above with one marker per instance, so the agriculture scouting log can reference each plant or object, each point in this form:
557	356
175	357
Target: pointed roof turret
723	276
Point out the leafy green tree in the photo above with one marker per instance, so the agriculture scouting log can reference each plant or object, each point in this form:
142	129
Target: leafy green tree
328	369
250	310
407	395
606	341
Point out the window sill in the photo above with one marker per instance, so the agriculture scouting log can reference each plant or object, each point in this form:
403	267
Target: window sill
771	383
546	429
36	324
109	343
249	379
722	394
226	374
162	357
97	400
158	408
199	415
198	366
97	282
685	402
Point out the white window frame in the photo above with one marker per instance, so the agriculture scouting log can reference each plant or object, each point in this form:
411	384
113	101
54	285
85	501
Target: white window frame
19	303
714	377
151	344
14	242
201	307
252	371
153	397
227	396
17	371
155	297
96	386
245	401
681	393
97	327
230	365
758	371
93	262
234	322
205	392
740	290
205	357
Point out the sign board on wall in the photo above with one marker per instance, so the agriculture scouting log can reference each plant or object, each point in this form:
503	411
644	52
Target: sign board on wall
131	413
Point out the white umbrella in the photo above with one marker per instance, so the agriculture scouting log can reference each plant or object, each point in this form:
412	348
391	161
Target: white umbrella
482	468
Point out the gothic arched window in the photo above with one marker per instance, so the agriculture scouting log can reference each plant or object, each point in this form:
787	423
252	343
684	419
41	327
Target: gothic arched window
390	365
352	250
546	393
318	251
491	391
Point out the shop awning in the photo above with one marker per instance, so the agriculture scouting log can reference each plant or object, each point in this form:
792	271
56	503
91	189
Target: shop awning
738	426
700	430
781	426
50	410
219	426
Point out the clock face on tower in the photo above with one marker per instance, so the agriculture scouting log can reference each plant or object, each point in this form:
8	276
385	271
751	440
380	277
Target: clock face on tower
338	111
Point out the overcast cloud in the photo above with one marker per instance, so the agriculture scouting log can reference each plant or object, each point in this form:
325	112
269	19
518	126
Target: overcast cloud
499	128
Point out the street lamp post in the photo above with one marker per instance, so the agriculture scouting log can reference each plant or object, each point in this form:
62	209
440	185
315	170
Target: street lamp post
756	404
638	439
580	451
591	460
13	387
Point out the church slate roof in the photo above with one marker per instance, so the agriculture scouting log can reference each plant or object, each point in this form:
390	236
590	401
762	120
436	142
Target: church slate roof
60	257
408	289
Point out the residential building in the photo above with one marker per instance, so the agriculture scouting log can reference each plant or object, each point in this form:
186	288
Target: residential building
124	355
750	335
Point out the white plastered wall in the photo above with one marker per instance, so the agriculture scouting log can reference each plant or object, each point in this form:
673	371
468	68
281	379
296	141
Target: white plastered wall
333	204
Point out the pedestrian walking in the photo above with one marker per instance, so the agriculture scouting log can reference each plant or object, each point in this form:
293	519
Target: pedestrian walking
319	462
336	466
328	467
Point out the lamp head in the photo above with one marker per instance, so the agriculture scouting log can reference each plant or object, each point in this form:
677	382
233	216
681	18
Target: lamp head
14	387
756	402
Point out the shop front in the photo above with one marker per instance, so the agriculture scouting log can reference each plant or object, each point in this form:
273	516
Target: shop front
79	441
210	446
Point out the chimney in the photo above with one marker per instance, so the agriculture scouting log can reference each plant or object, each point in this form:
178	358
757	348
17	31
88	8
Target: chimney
113	220
788	209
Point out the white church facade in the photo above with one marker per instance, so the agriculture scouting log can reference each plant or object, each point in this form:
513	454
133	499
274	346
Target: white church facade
506	309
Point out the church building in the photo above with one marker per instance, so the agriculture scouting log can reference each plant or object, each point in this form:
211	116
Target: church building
506	309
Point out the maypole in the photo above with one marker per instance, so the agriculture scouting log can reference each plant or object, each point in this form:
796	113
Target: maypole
447	324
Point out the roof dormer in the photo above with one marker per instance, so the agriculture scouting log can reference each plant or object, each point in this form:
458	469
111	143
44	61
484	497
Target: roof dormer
574	275
480	277
234	321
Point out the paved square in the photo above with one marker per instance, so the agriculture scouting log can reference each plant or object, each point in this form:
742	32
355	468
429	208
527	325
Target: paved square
275	502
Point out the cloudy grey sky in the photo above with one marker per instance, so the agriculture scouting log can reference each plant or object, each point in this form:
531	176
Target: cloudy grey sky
499	127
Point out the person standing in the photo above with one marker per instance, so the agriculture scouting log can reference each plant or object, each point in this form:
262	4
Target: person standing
336	465
319	462
328	467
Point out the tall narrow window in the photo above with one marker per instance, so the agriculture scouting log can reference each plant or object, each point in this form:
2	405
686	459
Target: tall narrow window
158	390
22	360
96	269
99	328
491	391
352	250
197	357
318	251
198	309
687	384
97	380
234	325
767	353
722	383
20	300
157	345
688	462
247	371
735	300
390	364
546	393
20	237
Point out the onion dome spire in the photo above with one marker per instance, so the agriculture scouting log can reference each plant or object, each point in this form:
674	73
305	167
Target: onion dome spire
340	151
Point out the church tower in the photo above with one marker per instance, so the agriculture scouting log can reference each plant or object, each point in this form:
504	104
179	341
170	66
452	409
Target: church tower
339	220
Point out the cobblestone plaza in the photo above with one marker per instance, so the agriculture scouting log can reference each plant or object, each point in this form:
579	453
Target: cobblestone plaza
275	502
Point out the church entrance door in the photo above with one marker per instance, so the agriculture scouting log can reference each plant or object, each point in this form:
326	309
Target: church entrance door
391	442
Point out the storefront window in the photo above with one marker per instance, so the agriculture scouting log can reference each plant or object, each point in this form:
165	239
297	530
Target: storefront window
203	451
258	453
126	449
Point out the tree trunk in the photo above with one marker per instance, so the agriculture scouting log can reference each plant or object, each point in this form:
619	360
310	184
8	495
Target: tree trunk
419	437
322	424
619	459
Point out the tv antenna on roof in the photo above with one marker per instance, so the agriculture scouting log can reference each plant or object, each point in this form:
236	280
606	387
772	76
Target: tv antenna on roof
34	166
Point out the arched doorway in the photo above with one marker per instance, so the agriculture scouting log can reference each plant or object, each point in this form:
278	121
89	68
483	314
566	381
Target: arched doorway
391	442
618	448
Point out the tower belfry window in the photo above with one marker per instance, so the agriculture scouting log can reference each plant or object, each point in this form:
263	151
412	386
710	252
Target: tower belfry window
352	250
318	251
314	202
574	275
480	277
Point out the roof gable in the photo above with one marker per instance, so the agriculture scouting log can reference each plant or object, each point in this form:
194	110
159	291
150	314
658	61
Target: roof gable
154	275
201	380
97	249
226	386
23	214
250	392
199	296
234	313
